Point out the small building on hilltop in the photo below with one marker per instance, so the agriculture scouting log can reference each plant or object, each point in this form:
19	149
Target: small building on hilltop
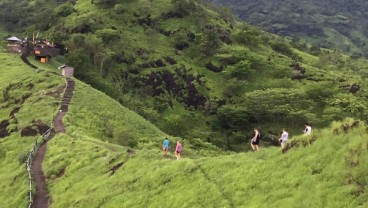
66	71
42	49
14	44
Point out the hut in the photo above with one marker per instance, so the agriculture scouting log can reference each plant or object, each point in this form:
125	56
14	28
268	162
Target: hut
44	50
66	71
14	44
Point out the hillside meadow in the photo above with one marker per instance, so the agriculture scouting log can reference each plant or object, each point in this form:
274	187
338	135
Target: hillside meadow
194	70
27	98
206	80
330	172
86	167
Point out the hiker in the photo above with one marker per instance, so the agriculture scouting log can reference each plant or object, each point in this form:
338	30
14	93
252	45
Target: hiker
165	146
283	139
178	150
255	140
307	129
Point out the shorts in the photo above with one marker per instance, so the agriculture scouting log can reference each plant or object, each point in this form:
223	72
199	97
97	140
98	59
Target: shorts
165	148
178	152
283	141
255	142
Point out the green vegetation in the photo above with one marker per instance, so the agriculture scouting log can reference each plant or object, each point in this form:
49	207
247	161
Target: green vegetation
327	24
331	172
198	75
28	100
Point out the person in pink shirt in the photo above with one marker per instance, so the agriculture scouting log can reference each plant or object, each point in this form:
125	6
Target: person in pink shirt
178	150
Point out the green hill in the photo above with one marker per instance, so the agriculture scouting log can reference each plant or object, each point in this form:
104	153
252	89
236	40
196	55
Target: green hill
29	101
84	168
194	71
198	75
329	24
329	173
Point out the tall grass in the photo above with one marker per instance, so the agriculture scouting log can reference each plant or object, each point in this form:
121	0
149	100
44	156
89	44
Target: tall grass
331	172
40	106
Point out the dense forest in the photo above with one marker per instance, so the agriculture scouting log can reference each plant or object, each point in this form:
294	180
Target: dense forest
338	24
194	70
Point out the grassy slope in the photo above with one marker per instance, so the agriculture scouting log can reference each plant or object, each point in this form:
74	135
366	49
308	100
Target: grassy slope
329	173
77	163
39	106
271	69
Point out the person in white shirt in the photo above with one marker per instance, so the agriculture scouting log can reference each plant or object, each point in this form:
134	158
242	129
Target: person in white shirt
307	129
284	137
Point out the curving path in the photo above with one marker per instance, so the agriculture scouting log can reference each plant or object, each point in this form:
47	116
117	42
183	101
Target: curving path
42	199
67	98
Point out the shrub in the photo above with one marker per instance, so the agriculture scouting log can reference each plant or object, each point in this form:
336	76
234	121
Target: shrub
64	10
23	157
282	48
108	35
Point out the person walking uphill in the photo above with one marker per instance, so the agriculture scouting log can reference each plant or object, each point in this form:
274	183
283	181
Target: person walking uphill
308	129
255	140
283	139
165	146
178	150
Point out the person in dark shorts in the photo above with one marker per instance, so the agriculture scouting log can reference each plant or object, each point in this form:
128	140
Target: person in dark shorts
178	150
255	140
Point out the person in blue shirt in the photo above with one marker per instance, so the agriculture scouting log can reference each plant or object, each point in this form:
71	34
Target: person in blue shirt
165	146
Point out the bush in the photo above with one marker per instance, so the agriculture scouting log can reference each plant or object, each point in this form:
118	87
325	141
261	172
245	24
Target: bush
108	35
65	10
282	48
23	157
126	138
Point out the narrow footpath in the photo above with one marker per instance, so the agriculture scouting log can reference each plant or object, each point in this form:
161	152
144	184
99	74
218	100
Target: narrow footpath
42	199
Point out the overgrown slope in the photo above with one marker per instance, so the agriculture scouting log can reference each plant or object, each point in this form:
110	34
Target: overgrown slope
29	101
330	24
195	72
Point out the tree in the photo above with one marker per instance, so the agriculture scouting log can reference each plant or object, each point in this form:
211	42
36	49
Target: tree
104	55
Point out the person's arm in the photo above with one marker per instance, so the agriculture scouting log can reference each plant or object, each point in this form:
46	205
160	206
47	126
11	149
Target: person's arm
255	136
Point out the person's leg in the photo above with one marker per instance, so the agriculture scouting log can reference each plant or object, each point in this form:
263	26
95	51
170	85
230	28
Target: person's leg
178	156
253	148
283	144
256	147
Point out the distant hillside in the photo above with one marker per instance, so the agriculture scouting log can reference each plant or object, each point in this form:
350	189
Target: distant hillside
194	71
330	24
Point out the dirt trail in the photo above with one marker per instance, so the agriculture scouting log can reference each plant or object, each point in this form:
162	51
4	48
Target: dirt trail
42	199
